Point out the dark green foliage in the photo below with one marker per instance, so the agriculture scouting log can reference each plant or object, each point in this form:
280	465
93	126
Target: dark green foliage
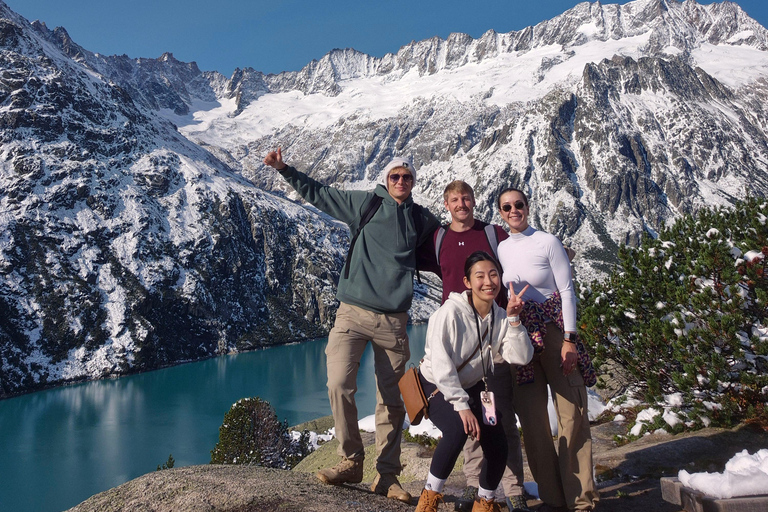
423	439
167	464
683	311
252	434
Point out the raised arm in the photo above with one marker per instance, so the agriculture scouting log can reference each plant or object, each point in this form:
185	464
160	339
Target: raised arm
340	204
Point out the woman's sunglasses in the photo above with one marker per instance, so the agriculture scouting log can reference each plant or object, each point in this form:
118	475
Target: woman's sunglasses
394	177
519	205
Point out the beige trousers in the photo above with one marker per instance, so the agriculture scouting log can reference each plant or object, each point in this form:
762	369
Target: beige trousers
353	329
501	384
564	476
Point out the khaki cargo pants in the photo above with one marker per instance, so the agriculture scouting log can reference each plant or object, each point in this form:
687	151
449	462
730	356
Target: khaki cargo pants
563	473
353	329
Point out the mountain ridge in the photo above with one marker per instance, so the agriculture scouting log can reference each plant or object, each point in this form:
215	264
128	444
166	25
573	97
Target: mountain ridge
140	229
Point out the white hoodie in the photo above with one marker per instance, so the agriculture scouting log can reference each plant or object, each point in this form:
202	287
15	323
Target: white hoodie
452	337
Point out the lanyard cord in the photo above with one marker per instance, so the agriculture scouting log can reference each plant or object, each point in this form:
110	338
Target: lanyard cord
479	336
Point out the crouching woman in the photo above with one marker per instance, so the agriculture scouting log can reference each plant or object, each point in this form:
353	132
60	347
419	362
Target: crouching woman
462	338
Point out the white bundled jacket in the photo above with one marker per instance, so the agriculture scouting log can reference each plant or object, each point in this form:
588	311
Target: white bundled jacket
452	337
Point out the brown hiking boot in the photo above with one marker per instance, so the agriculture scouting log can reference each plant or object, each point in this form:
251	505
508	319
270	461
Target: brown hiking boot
387	485
484	505
428	501
346	471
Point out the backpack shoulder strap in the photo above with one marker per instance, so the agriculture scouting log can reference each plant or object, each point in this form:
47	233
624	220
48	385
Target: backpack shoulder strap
439	242
368	213
493	239
418	223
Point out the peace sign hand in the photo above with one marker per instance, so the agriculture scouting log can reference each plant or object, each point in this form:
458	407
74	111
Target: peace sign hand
516	302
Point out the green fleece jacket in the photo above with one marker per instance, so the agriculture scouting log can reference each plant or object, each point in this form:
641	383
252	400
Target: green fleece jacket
383	261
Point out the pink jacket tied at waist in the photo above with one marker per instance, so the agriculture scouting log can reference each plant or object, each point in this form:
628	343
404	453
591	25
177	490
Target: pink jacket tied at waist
534	317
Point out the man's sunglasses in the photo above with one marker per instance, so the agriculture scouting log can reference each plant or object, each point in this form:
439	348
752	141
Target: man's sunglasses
519	205
394	177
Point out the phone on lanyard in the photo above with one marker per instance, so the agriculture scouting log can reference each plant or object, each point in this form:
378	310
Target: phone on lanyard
488	402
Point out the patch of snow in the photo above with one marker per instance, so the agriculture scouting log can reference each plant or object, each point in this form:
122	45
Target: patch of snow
744	475
425	427
645	417
367	424
315	439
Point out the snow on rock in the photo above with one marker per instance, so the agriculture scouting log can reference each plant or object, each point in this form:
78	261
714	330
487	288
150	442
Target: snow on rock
644	418
425	428
315	439
745	475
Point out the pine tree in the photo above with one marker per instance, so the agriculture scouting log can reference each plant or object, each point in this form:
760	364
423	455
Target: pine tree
252	434
685	313
167	464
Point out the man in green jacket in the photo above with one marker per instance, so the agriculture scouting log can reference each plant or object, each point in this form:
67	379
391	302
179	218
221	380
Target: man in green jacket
375	292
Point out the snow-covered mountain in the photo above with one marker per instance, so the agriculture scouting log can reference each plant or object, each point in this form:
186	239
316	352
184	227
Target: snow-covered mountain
616	118
125	246
139	227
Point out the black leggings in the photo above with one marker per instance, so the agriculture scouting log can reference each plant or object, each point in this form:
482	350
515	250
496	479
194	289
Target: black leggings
492	438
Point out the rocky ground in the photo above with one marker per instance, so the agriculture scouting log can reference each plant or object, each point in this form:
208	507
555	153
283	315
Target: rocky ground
628	478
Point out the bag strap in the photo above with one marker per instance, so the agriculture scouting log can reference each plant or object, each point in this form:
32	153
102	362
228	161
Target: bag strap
466	361
471	355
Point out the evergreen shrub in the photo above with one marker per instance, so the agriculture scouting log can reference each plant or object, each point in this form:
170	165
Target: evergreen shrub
251	434
685	314
167	464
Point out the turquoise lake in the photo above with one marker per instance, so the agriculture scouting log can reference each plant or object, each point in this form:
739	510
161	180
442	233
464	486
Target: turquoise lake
59	447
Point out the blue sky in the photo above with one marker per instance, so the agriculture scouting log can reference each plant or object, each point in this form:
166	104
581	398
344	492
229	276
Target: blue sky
284	35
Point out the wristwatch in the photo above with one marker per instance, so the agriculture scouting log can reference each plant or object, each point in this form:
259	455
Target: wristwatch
570	337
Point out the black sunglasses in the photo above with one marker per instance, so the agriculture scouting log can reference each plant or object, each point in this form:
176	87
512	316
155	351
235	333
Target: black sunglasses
519	205
394	177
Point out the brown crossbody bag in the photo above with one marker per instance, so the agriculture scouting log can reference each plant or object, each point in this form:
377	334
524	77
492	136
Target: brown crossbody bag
416	402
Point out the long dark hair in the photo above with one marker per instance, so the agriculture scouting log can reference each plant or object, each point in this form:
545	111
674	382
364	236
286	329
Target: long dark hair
477	257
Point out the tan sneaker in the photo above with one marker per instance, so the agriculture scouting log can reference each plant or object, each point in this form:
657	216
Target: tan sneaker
346	471
428	501
484	505
387	485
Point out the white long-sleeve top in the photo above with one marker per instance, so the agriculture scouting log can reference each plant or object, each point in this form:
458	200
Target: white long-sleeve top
451	339
537	258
